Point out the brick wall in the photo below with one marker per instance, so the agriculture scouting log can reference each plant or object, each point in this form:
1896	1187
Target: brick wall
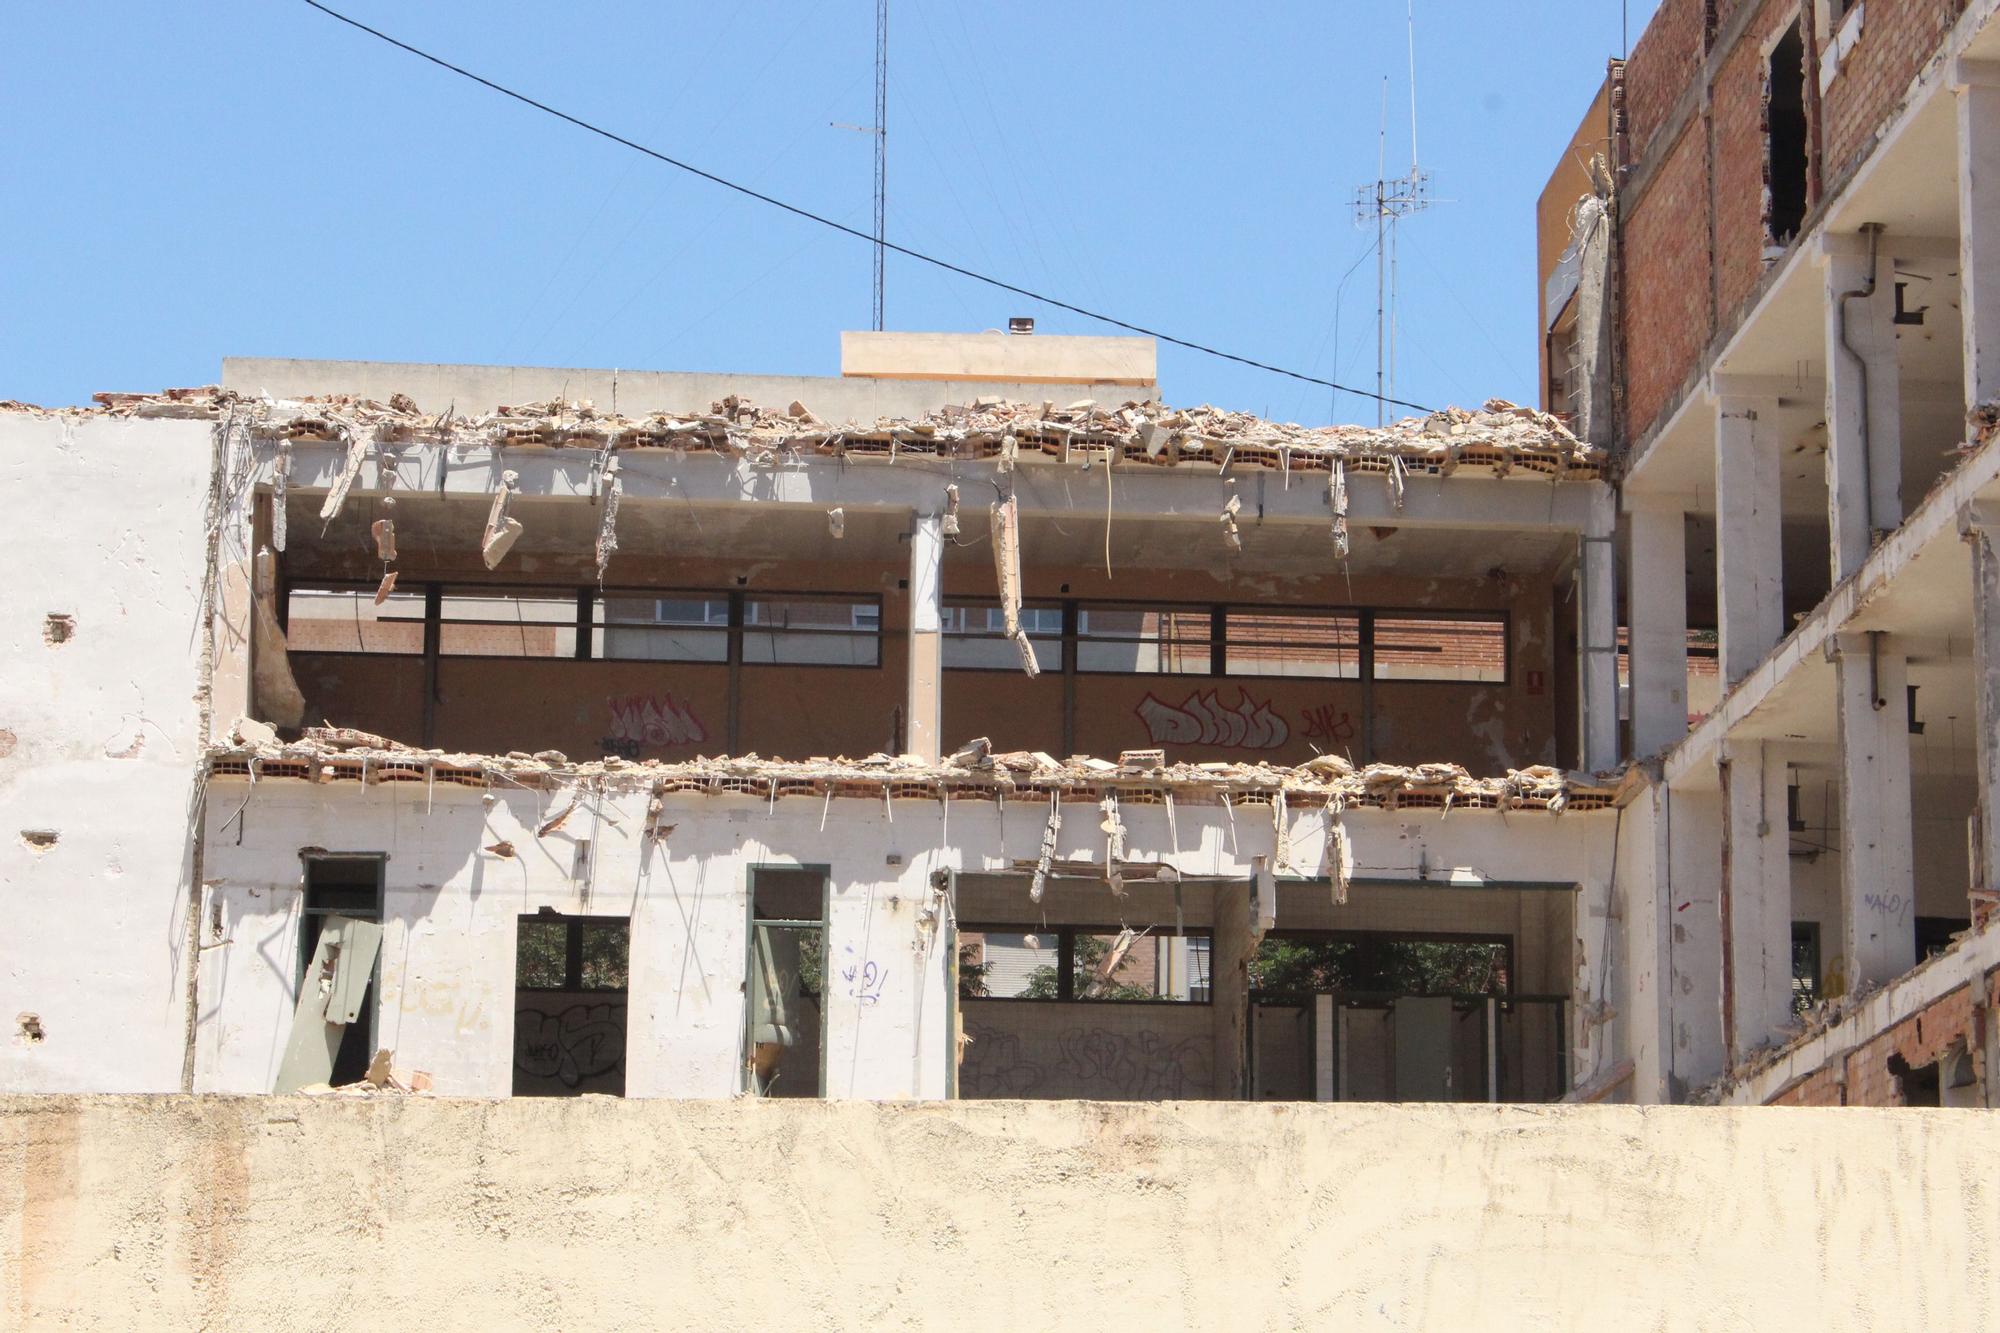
1666	280
1919	1039
1898	37
1663	63
1739	156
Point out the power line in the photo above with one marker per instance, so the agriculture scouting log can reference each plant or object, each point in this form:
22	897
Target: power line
810	216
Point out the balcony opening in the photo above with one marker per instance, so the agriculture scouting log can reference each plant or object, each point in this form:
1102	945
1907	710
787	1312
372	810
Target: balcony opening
1785	140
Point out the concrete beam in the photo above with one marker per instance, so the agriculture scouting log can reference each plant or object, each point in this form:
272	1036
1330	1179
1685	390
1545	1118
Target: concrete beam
924	718
1976	84
1864	457
1749	563
1195	493
1877	835
1656	605
1598	648
1756	900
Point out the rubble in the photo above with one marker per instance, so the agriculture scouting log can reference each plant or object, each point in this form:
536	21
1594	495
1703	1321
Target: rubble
323	754
1500	436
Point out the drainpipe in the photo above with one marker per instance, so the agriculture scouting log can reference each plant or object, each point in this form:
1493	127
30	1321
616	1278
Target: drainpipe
1873	231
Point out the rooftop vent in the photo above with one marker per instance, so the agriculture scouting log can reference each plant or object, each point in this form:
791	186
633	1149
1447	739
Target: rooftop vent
1021	324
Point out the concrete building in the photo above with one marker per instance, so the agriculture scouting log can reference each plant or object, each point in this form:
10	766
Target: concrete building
899	735
1776	296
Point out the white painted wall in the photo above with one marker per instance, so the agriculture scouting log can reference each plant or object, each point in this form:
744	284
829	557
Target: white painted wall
448	949
98	745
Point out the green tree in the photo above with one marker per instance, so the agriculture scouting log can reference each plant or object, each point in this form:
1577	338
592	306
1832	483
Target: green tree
1090	952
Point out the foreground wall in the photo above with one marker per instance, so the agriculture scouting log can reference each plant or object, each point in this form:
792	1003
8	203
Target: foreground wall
409	1213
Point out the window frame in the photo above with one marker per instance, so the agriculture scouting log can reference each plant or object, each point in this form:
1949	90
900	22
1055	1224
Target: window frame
1077	638
741	627
1503	618
419	592
1012	666
1066	961
576	923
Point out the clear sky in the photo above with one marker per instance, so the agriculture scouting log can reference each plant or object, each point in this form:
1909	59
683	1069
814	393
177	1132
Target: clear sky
189	181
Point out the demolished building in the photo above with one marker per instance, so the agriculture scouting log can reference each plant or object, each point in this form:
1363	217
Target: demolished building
1771	271
986	729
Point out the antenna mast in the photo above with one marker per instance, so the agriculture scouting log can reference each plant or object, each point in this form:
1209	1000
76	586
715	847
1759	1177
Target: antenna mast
882	149
1387	201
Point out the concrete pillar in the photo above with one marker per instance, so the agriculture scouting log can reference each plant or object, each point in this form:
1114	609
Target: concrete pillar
1756	900
1981	527
1749	555
925	710
1230	950
1693	922
1864	456
1977	86
1597	640
1656	604
1877	841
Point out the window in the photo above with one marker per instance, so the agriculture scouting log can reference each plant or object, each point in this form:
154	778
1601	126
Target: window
571	981
346	620
1468	648
687	627
1785	140
811	632
788	979
1083	963
349	887
1292	643
975	638
1805	965
508	622
1144	640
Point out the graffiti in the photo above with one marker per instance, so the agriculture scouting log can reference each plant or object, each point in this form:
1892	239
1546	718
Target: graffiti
639	721
1323	724
996	1066
1143	1066
1889	904
1202	719
864	983
572	1044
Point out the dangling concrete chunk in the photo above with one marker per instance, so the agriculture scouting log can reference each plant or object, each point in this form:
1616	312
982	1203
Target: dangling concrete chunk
501	531
1006	524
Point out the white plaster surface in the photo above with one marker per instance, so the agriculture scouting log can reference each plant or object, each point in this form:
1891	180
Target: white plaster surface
98	745
296	1213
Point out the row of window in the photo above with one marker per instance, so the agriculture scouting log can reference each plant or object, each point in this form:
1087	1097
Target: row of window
825	631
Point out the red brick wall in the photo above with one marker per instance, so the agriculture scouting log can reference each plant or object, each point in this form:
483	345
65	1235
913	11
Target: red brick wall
1666	280
1662	65
1739	156
1920	1039
1898	37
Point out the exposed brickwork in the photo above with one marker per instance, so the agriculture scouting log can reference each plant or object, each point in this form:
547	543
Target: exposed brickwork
1819	1088
1862	1076
1671	241
1898	38
1740	155
1667	280
1662	65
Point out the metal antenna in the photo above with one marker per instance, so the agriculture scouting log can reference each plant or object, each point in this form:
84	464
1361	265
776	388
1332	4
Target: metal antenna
880	129
1386	201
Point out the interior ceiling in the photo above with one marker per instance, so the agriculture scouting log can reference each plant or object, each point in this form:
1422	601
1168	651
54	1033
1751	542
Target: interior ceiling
567	528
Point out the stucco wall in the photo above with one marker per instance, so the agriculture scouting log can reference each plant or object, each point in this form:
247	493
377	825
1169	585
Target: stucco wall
422	1213
98	745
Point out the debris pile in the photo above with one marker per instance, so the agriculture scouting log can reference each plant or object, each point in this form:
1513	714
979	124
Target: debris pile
330	754
383	1075
1500	436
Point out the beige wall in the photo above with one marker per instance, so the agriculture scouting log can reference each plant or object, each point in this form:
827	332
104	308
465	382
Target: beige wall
282	1213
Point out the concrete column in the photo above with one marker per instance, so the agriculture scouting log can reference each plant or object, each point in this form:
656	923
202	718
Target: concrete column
1749	555
1864	457
1877	846
1230	948
1598	644
1756	900
1693	924
1656	605
1981	526
923	732
1977	86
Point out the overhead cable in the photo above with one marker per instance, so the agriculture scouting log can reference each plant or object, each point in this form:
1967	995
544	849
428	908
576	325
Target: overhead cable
855	232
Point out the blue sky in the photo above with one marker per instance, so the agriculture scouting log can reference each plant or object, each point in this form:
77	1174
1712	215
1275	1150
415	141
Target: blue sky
192	181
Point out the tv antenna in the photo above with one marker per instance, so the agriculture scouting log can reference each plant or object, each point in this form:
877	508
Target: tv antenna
1387	202
880	129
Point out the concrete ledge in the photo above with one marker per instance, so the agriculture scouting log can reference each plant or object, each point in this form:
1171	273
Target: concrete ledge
284	1213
